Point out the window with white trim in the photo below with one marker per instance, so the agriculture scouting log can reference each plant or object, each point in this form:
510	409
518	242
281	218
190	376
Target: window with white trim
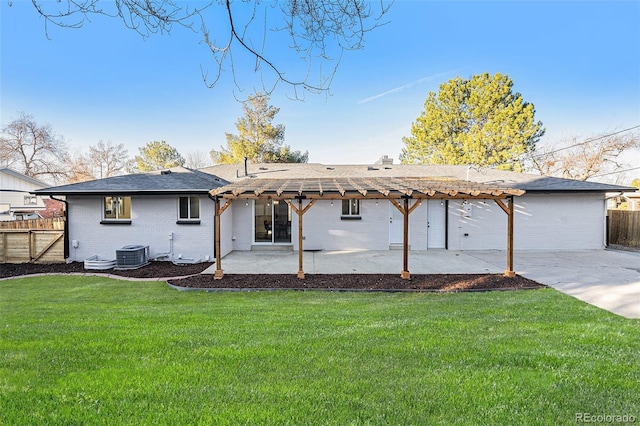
351	208
188	208
30	200
117	208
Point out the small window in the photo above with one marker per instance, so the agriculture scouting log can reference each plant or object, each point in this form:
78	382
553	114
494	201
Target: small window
189	209
30	200
351	208
117	208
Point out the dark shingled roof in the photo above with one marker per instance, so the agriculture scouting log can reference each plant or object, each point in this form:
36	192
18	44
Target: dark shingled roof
182	180
171	181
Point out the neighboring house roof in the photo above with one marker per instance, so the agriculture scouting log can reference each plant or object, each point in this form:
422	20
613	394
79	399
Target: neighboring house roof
523	181
177	180
23	177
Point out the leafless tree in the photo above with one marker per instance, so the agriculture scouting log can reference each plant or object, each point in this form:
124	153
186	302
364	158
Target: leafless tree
78	169
584	160
33	149
318	32
103	160
197	160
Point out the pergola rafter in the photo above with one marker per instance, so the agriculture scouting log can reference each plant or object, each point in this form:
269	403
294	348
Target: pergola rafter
397	190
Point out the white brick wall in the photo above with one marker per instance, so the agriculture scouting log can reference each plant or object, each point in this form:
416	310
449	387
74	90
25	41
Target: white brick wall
560	221
324	228
152	218
542	221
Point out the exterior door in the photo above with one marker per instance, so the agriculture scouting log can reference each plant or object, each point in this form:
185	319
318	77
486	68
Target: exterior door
396	225
272	221
436	224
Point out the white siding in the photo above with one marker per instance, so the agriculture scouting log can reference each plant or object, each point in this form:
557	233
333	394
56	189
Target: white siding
152	219
10	185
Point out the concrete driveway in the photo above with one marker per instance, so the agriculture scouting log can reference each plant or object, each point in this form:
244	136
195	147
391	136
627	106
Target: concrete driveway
609	279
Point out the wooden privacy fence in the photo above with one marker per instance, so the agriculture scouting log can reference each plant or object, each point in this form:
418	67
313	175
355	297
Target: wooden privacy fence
56	223
624	228
31	245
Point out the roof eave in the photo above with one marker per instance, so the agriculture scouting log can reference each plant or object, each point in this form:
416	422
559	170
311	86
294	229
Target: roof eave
124	192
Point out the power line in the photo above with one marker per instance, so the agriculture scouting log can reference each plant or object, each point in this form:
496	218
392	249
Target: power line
616	172
585	142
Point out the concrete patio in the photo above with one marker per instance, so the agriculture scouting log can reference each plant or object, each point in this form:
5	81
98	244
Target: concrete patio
609	279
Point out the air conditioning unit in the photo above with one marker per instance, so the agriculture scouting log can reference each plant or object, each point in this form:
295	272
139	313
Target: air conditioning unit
131	257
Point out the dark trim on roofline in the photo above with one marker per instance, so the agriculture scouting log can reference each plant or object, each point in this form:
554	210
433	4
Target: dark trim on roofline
570	191
125	192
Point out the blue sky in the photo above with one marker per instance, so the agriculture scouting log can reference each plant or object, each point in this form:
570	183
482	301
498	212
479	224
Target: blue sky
577	62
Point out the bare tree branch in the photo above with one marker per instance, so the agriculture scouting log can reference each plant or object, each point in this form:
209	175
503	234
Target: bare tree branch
33	149
584	160
318	31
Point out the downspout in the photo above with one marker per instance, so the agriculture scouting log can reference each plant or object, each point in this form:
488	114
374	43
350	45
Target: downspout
66	225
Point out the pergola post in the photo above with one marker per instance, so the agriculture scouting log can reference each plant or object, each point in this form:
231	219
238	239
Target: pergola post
300	249
217	211
510	211
300	212
510	272
406	211
216	220
405	275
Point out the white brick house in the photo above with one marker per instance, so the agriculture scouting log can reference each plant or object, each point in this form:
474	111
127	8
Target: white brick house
172	213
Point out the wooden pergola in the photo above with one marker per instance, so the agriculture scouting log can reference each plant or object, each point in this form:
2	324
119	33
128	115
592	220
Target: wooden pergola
397	190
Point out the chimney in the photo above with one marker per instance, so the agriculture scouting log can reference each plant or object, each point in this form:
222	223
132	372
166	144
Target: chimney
385	160
246	172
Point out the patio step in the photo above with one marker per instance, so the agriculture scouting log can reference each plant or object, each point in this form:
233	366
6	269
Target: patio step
275	247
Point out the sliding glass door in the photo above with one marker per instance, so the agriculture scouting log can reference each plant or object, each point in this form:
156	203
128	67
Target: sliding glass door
272	221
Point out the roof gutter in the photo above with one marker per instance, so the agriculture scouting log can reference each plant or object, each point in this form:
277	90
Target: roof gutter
66	225
619	194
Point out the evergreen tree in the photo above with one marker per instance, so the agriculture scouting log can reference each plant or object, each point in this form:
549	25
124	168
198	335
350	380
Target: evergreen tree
157	155
258	139
478	121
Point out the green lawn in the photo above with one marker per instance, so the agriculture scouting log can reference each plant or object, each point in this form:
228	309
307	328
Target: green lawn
91	350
